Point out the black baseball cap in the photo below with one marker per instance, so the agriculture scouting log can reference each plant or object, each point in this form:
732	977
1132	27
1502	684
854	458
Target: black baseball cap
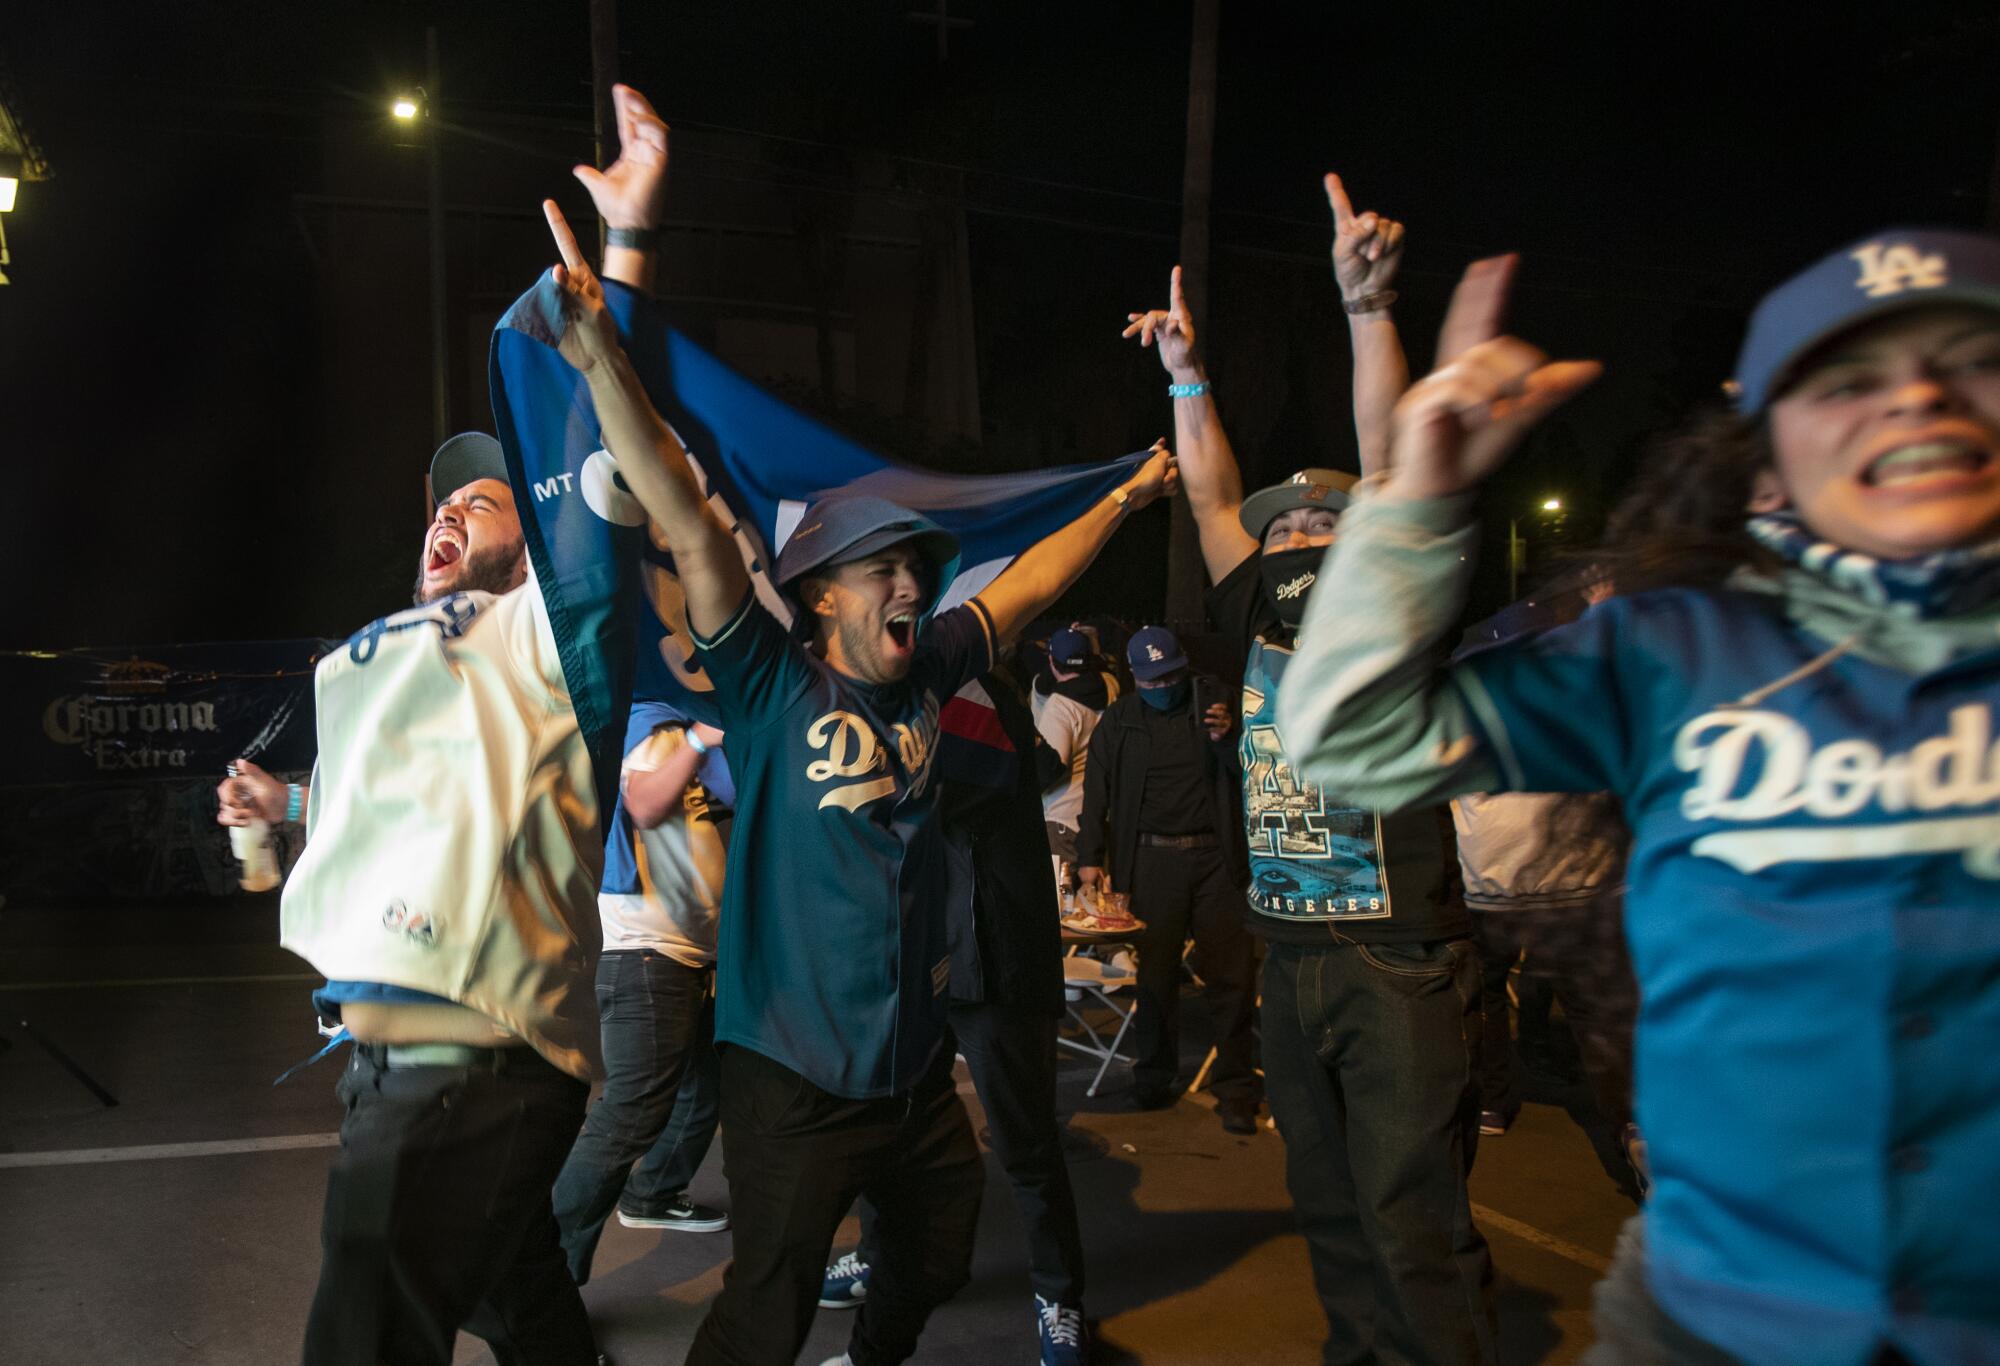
464	458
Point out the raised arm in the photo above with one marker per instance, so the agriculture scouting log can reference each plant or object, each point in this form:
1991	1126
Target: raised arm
651	460
1367	251
631	193
1367	710
1208	468
653	794
1041	573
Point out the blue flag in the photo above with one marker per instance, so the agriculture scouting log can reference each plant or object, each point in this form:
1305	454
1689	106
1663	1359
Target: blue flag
614	603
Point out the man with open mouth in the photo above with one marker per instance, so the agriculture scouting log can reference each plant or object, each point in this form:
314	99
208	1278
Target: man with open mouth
832	966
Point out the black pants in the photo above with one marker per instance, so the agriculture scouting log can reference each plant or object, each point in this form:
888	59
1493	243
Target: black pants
1369	1054
660	1096
1579	953
1011	1053
437	1216
1179	892
796	1158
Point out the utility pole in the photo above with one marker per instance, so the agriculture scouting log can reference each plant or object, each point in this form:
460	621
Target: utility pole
1184	565
434	137
603	73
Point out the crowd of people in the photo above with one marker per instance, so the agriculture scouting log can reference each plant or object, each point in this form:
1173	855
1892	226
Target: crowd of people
1756	740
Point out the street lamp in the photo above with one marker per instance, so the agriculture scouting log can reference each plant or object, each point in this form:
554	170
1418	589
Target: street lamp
11	170
412	110
1550	513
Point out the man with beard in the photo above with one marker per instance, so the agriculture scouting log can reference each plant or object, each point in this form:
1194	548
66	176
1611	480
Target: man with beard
832	966
1370	1011
448	890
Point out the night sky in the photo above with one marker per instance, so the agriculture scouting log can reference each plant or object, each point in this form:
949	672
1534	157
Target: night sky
165	412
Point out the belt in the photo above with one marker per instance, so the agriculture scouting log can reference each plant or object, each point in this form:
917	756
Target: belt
1203	841
400	1055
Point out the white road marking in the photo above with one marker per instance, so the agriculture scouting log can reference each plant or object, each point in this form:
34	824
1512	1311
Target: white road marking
70	1157
161	982
1548	1242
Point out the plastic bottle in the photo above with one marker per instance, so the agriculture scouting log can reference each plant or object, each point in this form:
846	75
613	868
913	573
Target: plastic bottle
252	846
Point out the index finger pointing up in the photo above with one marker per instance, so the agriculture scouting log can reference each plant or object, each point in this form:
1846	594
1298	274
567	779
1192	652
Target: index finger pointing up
1176	297
1336	197
565	239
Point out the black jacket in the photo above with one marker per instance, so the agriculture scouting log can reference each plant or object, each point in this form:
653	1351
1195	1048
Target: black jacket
1114	779
996	836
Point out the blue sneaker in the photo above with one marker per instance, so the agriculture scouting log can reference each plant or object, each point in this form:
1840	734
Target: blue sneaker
1065	1340
846	1283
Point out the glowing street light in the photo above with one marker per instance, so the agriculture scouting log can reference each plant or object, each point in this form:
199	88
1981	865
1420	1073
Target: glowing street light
1552	505
9	186
404	108
1550	511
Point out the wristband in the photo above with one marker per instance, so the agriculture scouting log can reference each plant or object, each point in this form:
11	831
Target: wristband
1187	390
635	239
695	742
1369	303
295	801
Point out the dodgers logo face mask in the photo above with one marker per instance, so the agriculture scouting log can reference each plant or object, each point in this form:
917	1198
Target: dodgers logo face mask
1288	578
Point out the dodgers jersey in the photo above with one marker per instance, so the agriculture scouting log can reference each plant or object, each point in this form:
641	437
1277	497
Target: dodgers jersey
1813	908
452	841
1814	915
663	886
832	956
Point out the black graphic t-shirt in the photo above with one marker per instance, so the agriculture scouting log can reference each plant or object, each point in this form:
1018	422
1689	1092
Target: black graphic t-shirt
1317	868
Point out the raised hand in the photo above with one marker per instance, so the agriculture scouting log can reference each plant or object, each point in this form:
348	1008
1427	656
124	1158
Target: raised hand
632	191
1458	424
591	336
249	794
1367	248
1156	478
1173	329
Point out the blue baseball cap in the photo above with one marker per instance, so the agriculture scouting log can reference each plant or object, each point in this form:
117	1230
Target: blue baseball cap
1894	269
1153	653
1070	648
843	527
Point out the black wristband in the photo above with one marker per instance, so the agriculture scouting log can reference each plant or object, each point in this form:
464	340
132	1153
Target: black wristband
634	239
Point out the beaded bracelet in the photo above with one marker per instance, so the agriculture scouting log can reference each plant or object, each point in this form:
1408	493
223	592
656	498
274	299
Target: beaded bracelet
1187	390
295	801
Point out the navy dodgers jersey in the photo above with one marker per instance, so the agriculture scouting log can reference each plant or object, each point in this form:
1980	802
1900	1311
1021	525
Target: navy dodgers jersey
833	957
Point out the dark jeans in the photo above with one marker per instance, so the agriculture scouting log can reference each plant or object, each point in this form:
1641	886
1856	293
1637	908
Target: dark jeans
1579	952
797	1157
1368	1055
660	1100
437	1216
1178	892
1011	1054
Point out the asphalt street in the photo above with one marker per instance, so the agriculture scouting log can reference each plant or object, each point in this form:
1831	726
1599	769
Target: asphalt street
181	1224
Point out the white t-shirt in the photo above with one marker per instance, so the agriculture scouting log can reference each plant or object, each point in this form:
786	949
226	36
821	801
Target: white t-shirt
680	863
453	844
1066	725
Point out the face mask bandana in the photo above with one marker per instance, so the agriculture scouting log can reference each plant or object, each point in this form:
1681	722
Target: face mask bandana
1288	577
1167	698
1943	584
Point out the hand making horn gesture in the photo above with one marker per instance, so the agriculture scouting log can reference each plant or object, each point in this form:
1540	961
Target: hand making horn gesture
590	336
1457	425
1367	248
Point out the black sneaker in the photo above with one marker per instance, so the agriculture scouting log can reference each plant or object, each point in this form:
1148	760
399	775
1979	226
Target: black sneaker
681	1213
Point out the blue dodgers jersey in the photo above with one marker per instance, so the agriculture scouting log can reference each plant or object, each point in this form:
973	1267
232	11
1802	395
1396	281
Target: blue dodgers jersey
1310	861
833	957
1814	916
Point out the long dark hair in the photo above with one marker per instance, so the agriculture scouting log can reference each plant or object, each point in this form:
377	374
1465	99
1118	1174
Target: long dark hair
1680	522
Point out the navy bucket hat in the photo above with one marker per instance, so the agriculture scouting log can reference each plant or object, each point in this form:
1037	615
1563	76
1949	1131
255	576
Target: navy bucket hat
843	527
1894	269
